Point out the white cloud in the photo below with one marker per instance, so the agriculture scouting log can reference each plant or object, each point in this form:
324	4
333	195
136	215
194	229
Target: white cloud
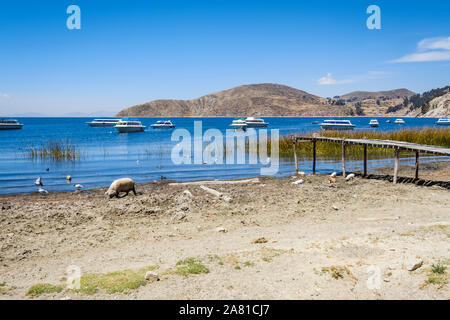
431	49
4	95
434	44
329	80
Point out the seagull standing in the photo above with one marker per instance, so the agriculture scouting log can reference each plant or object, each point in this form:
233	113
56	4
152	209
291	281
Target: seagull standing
38	182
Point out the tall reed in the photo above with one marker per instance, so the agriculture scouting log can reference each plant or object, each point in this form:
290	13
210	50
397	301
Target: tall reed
55	151
428	136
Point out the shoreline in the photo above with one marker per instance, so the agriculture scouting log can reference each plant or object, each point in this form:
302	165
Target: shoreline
264	239
436	171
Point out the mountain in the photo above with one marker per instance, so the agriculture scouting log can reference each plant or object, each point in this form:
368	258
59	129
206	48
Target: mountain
248	100
275	100
439	107
364	95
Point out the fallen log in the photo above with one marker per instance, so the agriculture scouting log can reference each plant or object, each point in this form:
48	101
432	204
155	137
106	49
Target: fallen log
194	183
216	193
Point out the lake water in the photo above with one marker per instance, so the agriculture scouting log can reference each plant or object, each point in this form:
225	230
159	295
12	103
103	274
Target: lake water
107	155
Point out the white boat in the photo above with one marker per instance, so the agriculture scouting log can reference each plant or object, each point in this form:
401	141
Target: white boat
103	122
374	123
255	123
399	121
445	121
125	126
163	124
239	124
337	125
10	124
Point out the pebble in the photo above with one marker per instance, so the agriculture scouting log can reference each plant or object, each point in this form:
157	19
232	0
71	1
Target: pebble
151	276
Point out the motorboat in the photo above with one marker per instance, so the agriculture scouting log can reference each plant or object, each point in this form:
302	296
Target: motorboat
103	122
388	121
374	123
255	123
399	121
445	121
315	122
337	125
239	124
125	126
10	124
163	124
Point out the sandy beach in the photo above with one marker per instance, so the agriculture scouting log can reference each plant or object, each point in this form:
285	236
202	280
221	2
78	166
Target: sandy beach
266	238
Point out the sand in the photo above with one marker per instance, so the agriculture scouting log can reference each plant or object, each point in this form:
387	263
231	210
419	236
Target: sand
270	239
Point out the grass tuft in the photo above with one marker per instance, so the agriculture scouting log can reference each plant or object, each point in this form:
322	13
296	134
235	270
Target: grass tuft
113	282
43	288
189	266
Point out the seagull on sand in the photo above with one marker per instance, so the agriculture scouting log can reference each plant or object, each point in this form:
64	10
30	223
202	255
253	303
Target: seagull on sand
42	191
38	182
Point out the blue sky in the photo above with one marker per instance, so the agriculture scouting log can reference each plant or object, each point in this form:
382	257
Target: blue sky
131	52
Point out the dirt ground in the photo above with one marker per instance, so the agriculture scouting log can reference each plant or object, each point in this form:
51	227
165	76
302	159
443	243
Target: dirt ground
268	239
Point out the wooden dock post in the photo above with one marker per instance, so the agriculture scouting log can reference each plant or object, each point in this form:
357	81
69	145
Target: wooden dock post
314	156
343	158
365	160
417	165
294	145
397	151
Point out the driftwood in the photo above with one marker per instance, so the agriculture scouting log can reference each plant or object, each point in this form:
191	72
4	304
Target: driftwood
216	193
194	183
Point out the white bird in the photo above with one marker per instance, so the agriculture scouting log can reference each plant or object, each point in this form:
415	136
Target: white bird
42	191
38	182
298	181
138	162
79	186
333	175
350	176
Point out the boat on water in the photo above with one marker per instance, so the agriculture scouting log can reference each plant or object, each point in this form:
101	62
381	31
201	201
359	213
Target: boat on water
239	124
445	121
399	121
315	122
255	122
388	121
103	122
10	124
125	126
163	124
337	125
374	123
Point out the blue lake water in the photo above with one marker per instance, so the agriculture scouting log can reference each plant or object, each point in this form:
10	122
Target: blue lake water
107	155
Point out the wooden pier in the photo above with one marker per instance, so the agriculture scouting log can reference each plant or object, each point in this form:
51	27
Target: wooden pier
398	146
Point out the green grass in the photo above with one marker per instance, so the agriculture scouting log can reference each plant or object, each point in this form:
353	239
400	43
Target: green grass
438	268
43	288
438	275
113	282
55	150
189	266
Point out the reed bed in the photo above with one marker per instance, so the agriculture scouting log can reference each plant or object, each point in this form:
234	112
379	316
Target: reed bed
55	151
428	136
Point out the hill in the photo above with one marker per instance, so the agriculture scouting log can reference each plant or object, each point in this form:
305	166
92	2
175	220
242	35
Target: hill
247	100
382	95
